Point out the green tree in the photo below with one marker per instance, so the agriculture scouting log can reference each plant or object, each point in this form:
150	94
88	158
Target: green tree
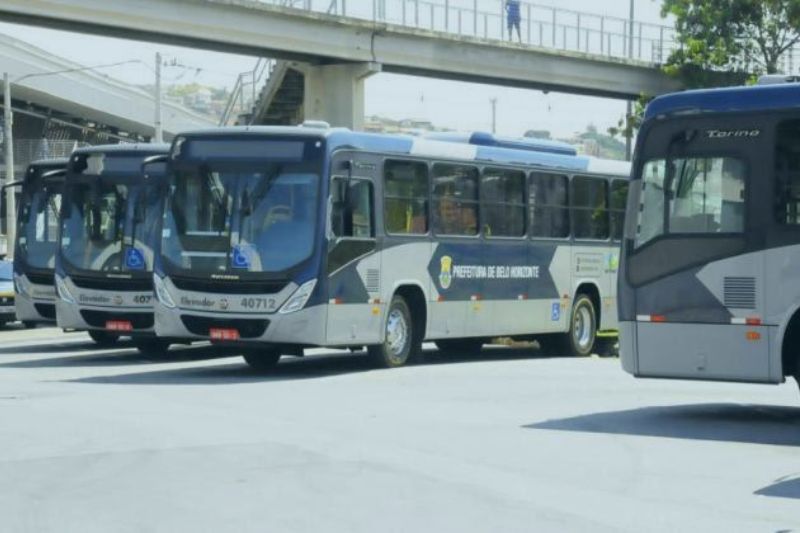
727	42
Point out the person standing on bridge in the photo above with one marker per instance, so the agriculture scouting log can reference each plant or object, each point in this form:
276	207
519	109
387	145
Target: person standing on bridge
513	18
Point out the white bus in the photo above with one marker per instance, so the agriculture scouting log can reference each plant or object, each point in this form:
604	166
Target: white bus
278	239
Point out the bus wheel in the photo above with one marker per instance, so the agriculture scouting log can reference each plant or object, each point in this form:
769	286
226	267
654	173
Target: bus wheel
400	342
151	346
583	328
580	339
103	338
262	359
460	346
28	324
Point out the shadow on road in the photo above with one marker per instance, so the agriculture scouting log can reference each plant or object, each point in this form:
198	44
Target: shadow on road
115	357
309	367
753	424
786	487
61	347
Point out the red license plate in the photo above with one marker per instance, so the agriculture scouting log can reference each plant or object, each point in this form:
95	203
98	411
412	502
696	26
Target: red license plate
223	334
119	325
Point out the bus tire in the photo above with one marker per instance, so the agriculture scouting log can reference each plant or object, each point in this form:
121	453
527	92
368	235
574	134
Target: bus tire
400	343
460	346
262	359
28	324
580	340
103	338
151	346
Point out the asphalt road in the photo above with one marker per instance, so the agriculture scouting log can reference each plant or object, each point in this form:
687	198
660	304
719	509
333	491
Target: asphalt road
109	440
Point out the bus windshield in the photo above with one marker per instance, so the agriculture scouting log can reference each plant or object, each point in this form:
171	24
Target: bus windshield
243	220
38	226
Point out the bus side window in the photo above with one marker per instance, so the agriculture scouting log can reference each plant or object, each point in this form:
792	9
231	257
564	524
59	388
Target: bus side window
617	201
549	210
503	202
787	172
406	197
590	208
352	211
455	199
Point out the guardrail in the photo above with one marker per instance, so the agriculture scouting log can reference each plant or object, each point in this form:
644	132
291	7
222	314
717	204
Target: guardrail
245	92
541	26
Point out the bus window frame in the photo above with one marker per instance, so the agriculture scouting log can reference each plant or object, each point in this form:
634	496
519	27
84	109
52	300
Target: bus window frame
567	176
605	179
525	204
742	235
627	182
373	216
383	196
479	230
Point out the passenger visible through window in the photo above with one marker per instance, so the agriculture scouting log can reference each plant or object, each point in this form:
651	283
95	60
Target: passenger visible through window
503	203
455	198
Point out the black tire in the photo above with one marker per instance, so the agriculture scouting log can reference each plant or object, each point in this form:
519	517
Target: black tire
460	346
3	323
262	359
582	336
401	341
27	324
103	338
151	346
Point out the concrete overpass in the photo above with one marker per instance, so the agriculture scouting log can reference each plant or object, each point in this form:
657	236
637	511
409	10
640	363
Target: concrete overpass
337	53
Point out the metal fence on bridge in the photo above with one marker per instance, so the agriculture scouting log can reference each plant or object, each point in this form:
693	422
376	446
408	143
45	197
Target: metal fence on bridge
542	26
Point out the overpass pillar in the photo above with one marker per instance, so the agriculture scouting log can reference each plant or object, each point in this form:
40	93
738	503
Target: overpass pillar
335	93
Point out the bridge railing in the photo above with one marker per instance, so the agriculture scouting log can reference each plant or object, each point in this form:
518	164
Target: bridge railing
244	94
541	26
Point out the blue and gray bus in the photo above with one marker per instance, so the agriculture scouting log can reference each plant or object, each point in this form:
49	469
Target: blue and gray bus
37	241
283	238
109	215
709	283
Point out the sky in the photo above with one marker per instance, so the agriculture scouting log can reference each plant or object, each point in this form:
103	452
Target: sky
391	95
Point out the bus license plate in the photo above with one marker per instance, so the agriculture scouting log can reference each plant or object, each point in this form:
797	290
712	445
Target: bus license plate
119	325
223	334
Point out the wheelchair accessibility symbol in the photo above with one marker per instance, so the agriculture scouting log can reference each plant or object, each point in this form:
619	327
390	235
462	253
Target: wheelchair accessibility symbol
555	312
134	259
241	256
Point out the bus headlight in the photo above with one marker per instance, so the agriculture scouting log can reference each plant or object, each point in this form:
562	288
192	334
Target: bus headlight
22	285
63	291
299	298
162	293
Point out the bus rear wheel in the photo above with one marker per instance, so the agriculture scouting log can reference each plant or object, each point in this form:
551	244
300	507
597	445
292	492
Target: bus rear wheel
582	335
262	359
460	346
103	338
400	339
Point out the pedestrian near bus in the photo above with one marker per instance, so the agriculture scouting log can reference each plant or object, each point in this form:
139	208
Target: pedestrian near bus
513	18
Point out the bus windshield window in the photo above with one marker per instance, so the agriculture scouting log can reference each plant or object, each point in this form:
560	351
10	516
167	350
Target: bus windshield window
706	196
38	229
92	231
259	221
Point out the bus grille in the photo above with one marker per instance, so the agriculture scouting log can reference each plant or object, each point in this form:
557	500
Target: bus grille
41	279
228	287
247	328
113	284
740	293
98	319
46	310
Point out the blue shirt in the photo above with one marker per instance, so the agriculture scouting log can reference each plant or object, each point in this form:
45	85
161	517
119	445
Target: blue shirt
513	10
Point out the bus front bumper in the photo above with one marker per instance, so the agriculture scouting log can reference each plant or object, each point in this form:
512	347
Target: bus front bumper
304	327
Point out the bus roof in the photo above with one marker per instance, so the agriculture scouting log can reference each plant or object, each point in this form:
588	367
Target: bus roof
125	148
342	138
729	99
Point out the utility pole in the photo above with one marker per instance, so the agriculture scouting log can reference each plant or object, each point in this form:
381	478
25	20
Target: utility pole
629	106
159	136
11	209
494	114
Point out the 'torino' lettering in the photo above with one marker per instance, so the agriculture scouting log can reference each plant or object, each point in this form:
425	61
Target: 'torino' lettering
733	134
